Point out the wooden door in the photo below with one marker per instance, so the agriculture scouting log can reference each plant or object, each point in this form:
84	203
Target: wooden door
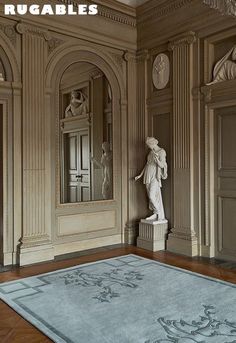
78	166
225	183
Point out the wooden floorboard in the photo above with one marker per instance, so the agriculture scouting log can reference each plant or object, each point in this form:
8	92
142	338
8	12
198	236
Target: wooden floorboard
14	329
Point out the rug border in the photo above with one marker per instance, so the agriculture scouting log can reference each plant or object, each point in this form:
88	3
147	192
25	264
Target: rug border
132	254
53	336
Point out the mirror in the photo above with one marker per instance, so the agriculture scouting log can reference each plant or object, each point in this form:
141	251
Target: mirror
86	157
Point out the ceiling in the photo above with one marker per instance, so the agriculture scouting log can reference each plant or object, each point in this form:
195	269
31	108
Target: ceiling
132	3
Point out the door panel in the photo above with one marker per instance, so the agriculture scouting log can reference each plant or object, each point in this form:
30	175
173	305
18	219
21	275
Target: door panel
78	170
225	188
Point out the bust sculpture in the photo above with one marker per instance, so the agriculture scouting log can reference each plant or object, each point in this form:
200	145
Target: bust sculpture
154	171
225	69
106	165
78	104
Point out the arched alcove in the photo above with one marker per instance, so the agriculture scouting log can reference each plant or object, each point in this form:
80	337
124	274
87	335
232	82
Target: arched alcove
59	63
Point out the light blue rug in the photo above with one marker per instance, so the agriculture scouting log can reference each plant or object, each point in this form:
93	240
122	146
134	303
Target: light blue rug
126	299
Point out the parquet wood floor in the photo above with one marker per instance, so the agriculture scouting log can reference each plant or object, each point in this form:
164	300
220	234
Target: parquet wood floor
14	329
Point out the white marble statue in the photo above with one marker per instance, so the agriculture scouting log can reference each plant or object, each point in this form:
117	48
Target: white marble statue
225	69
78	104
106	165
154	171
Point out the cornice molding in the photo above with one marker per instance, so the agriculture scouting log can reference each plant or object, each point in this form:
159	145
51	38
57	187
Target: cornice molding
187	38
107	12
148	12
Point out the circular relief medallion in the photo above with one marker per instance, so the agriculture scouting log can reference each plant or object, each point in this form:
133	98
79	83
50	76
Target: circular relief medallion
161	71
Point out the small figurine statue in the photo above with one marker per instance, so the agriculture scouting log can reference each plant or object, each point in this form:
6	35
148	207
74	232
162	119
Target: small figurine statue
225	69
154	171
106	165
78	104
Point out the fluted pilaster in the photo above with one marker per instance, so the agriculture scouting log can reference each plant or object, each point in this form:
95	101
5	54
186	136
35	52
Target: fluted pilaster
136	76
35	230
183	238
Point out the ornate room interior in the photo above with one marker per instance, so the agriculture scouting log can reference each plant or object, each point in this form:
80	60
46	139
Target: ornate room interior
79	95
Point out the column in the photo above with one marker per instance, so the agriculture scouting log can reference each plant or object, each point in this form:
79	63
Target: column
182	238
36	241
136	80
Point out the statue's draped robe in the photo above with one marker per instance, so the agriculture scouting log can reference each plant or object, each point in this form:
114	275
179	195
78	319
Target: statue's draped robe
153	174
225	69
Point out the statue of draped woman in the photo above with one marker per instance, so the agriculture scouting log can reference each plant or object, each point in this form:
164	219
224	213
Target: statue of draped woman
225	69
106	165
154	171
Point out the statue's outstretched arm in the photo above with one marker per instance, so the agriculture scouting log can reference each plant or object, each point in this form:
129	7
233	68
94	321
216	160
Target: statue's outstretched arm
140	175
93	160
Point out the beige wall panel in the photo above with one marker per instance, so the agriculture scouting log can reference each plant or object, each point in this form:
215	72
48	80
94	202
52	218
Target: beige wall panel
86	222
227	125
227	226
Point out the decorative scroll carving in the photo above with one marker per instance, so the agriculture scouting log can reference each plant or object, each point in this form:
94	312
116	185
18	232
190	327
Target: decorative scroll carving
10	32
54	43
225	7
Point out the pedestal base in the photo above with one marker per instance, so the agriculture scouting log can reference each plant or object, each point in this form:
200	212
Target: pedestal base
152	234
36	254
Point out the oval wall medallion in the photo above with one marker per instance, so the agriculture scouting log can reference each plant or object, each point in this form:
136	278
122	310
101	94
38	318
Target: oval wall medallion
161	71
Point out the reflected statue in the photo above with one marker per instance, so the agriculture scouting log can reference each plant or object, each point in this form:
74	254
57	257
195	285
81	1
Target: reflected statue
106	165
78	104
154	171
225	69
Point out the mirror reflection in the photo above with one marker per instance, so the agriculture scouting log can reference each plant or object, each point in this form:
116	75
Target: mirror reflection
86	156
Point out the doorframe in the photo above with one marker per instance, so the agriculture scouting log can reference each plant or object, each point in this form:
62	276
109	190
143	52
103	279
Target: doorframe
209	248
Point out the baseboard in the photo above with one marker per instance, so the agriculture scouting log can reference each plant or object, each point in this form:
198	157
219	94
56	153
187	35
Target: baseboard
182	246
9	258
31	255
207	251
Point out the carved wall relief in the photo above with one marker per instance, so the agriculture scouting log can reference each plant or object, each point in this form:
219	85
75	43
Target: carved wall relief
225	68
161	71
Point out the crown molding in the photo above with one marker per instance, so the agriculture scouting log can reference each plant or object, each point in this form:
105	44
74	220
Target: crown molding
110	9
151	9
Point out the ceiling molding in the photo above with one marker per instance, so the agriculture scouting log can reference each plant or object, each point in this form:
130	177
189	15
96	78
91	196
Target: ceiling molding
105	10
151	10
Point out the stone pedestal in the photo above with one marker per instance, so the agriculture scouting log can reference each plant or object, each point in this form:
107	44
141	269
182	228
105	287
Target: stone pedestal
152	234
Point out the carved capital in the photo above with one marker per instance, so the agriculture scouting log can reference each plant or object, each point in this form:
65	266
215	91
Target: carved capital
129	56
32	30
185	39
